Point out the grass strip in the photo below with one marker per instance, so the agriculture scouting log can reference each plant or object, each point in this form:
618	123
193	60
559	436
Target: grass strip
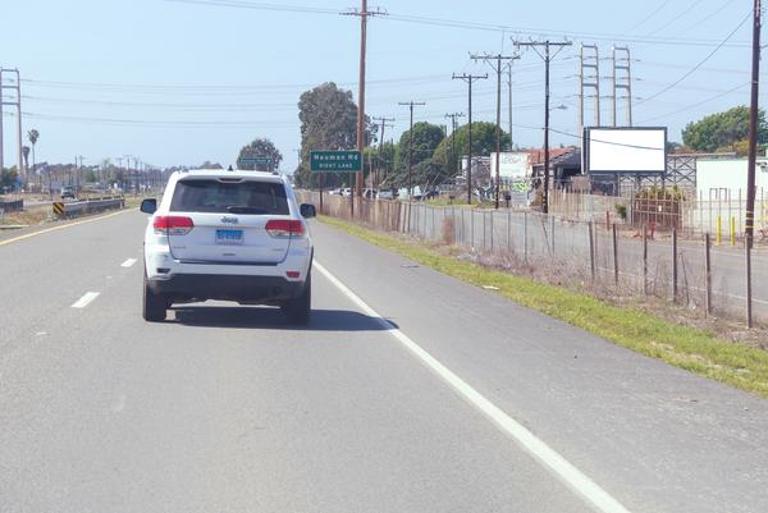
688	348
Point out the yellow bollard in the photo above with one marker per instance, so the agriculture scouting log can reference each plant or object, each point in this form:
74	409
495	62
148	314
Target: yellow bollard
733	231
719	231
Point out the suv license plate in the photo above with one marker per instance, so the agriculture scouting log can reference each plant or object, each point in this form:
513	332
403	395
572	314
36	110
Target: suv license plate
229	236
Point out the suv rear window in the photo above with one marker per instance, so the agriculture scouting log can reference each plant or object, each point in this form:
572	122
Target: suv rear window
246	197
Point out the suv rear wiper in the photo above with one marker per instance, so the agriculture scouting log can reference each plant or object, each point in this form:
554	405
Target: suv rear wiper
247	210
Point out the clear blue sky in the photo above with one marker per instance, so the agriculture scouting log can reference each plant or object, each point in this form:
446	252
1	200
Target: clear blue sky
176	83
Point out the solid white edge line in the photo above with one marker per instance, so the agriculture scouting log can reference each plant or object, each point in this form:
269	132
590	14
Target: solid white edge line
86	300
129	263
551	459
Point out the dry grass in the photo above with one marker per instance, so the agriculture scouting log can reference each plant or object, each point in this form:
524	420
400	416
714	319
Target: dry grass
644	328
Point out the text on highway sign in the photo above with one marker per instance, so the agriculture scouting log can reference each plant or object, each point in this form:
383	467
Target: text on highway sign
335	161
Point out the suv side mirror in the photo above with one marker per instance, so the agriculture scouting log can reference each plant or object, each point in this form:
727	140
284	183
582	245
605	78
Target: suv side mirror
307	210
149	206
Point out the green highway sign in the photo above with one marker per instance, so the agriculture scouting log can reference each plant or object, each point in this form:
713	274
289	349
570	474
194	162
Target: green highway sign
335	161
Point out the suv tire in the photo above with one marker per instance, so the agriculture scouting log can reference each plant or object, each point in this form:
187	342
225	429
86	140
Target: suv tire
298	310
154	305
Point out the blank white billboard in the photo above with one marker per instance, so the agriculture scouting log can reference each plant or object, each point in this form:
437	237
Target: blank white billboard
626	150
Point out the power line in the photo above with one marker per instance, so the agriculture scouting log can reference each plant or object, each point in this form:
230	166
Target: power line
673	19
698	104
463	24
700	63
653	13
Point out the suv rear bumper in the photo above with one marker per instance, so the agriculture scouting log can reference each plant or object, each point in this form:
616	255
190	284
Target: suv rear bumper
239	288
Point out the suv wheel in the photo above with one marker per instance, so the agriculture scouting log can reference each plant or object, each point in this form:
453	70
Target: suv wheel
298	309
154	305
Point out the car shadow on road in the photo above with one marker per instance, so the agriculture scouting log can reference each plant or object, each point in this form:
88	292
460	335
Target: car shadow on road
273	319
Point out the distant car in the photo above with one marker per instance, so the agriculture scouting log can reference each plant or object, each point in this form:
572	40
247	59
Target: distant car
231	236
369	194
387	194
346	192
67	192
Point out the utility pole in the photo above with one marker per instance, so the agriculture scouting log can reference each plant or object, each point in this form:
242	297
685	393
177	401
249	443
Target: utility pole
469	79
17	104
498	68
411	105
622	80
753	121
385	122
454	161
509	89
547	61
363	13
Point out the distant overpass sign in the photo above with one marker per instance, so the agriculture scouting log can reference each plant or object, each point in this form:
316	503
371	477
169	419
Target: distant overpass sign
335	161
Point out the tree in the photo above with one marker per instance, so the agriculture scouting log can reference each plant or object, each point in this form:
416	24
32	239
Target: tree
33	135
211	165
259	148
328	118
483	143
25	155
426	138
723	130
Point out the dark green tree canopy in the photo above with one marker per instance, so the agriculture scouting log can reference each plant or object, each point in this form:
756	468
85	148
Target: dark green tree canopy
483	143
259	148
722	131
426	138
328	118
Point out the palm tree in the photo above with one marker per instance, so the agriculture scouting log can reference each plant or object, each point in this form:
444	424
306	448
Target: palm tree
25	154
33	135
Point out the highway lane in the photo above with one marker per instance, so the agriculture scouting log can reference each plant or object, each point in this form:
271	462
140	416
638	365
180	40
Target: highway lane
229	409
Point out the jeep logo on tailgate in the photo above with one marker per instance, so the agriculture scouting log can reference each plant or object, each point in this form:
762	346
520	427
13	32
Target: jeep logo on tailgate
229	220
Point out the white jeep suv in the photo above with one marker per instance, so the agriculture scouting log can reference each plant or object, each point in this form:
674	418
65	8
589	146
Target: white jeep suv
227	235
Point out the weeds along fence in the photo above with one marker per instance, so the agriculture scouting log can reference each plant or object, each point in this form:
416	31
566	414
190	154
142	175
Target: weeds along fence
599	254
721	212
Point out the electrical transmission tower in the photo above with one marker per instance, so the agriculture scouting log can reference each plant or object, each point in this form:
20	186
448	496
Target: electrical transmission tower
589	76
622	81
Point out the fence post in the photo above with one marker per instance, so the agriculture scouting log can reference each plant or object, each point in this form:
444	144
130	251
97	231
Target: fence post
733	231
509	230
485	214
708	271
591	250
719	230
492	215
674	265
615	255
645	259
472	227
525	234
553	236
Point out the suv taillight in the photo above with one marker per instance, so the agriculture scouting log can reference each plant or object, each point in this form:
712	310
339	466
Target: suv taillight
173	225
285	228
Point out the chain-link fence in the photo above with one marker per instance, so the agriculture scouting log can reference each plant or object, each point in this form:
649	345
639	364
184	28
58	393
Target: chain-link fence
608	256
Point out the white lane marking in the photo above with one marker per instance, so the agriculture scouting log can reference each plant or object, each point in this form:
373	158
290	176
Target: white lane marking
129	263
548	457
86	300
64	226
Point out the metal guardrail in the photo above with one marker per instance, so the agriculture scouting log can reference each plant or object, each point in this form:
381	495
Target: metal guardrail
77	208
12	206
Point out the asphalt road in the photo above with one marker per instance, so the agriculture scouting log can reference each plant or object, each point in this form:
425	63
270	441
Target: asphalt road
459	402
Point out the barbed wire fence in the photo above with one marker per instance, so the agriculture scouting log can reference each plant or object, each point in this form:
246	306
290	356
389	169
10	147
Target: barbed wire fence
604	253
